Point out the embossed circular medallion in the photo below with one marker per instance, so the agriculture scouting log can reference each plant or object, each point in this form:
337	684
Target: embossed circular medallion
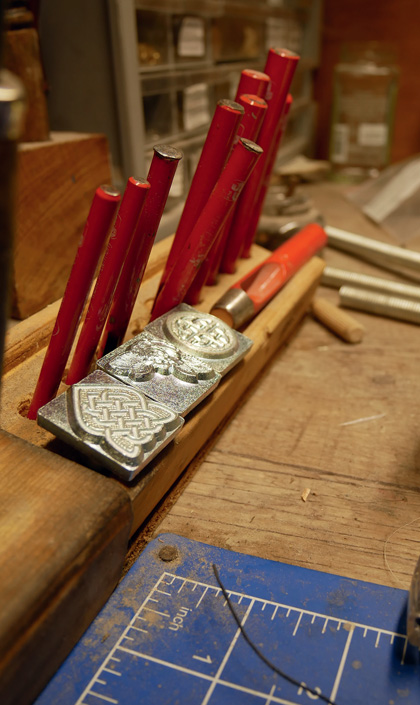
201	334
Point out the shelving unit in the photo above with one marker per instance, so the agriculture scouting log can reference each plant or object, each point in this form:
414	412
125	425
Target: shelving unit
157	68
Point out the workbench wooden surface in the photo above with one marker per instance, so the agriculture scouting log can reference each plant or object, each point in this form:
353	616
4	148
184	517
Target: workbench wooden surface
81	559
339	419
336	419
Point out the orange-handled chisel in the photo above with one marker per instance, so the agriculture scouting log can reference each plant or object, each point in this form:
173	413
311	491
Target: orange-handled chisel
253	291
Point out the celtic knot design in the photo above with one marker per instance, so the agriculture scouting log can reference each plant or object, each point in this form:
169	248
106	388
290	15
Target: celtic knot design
119	417
147	355
201	334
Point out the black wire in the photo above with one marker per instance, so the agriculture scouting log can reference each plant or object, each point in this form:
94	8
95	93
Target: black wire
255	648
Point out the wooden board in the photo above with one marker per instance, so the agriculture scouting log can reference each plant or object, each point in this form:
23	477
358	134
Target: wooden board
71	496
56	183
340	420
269	331
64	534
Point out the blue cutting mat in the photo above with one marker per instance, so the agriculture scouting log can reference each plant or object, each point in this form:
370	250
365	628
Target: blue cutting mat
167	636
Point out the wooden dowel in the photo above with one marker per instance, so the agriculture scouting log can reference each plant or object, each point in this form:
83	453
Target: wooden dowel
338	321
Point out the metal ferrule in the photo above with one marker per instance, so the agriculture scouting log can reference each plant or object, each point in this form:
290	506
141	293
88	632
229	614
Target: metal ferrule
234	308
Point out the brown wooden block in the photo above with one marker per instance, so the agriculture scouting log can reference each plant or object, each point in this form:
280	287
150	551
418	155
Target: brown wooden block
56	183
64	532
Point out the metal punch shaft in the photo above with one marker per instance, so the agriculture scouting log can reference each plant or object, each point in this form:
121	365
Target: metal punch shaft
372	249
381	304
336	278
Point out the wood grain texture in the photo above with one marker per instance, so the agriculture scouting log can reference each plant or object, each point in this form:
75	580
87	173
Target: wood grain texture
31	335
341	323
26	341
339	419
268	332
56	183
69	525
271	328
64	533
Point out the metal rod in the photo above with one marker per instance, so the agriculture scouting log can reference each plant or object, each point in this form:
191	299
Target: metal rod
254	82
360	245
280	130
280	66
380	304
336	278
250	125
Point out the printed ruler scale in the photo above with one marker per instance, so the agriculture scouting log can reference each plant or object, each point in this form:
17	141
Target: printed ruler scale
167	636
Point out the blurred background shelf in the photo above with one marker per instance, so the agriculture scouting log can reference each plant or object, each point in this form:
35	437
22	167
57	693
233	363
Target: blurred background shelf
169	63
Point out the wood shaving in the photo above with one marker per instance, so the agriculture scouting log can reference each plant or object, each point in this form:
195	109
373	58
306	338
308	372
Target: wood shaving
305	494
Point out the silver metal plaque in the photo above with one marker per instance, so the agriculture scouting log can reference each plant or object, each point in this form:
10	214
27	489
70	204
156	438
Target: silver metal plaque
113	423
162	371
202	335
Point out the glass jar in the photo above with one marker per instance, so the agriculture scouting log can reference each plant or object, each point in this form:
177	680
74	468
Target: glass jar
363	110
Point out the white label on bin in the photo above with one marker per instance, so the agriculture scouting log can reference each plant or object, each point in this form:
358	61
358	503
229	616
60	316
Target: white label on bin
192	37
196	106
371	134
340	143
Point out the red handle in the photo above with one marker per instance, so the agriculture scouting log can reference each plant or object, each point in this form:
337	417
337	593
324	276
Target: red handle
217	209
214	154
254	82
254	112
265	280
250	236
126	220
160	176
280	66
101	214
